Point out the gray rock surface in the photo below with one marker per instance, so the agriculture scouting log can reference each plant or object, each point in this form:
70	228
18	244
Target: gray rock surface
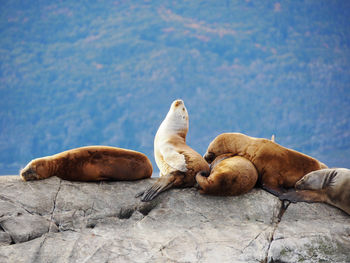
60	221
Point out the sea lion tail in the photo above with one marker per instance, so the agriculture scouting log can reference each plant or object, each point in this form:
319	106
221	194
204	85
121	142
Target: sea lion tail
163	183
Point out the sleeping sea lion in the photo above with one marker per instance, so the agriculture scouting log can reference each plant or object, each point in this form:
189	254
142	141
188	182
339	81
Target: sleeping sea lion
331	186
90	163
229	175
278	167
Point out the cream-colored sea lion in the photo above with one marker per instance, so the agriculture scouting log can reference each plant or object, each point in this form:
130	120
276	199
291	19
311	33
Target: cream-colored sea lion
278	167
331	186
178	163
229	175
273	138
90	163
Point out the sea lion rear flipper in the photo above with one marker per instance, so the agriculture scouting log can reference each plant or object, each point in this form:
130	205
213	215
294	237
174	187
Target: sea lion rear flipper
275	191
140	193
308	196
162	184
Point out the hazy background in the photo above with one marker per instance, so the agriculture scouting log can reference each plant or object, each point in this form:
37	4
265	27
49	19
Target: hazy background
76	73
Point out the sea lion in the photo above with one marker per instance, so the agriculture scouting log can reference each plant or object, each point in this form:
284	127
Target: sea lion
278	167
229	175
90	163
273	138
331	186
178	163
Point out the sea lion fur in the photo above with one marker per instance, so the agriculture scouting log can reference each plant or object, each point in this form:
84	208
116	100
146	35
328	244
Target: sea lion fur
278	167
331	186
90	163
229	175
178	163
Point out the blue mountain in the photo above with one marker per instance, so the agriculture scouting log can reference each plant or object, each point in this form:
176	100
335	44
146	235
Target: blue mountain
75	73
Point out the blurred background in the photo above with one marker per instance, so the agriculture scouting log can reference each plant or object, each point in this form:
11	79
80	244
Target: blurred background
76	73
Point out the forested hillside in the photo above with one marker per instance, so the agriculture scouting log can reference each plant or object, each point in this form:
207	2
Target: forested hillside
75	73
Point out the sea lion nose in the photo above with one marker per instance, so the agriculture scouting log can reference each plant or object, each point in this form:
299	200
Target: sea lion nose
28	174
209	157
178	103
204	173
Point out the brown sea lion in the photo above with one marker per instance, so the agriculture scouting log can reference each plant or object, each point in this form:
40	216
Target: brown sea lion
331	186
278	167
178	163
90	163
229	175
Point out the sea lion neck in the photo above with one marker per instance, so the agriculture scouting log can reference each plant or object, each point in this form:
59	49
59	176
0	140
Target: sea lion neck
172	127
240	146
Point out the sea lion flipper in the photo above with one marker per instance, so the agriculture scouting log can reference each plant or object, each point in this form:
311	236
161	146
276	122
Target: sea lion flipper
162	184
308	196
174	159
275	191
139	194
291	196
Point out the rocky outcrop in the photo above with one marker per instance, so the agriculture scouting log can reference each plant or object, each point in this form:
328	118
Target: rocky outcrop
60	221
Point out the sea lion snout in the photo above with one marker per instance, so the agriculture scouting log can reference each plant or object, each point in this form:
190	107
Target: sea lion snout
209	157
177	103
28	174
204	173
300	185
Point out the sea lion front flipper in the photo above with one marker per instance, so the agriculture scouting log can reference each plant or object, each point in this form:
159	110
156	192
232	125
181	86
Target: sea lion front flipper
202	181
163	183
309	196
174	159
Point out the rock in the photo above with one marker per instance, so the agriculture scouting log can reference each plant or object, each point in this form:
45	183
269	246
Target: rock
54	220
312	233
24	227
5	238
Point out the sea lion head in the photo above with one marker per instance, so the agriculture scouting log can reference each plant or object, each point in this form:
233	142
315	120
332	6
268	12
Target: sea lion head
36	169
177	117
216	147
209	157
311	181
